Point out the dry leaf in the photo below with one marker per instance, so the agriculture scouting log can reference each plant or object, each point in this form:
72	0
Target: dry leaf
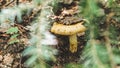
8	59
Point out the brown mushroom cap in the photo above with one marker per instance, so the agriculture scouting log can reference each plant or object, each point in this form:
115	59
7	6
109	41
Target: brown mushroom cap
61	29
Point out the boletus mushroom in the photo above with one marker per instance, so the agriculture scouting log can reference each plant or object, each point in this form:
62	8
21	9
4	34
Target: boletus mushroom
71	31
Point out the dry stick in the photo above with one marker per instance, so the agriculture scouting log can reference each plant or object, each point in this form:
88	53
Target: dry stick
3	6
9	3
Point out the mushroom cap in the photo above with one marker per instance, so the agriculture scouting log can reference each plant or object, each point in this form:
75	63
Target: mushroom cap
61	29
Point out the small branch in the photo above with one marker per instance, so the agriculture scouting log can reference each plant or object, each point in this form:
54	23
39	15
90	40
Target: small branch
9	3
109	49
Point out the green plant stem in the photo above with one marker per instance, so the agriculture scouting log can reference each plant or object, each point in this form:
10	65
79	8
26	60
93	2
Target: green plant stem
109	49
94	51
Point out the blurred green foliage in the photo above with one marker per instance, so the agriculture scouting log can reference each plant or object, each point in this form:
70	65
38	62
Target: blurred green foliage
12	30
40	52
73	65
101	48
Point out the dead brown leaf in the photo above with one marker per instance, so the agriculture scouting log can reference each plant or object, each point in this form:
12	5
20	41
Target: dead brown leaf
8	59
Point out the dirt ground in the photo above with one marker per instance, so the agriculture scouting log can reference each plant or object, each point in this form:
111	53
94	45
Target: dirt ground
11	54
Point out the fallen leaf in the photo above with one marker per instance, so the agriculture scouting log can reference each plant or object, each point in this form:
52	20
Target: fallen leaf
8	59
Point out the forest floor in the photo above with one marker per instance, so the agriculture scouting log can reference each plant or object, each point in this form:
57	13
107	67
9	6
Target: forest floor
11	54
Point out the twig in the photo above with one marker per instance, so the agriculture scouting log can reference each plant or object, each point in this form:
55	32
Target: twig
9	3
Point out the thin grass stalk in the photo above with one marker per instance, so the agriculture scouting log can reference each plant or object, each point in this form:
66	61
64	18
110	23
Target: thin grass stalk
93	48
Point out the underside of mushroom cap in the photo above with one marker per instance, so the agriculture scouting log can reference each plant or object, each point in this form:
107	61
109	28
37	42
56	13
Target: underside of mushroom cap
61	29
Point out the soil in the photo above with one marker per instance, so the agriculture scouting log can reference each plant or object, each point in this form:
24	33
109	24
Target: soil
11	54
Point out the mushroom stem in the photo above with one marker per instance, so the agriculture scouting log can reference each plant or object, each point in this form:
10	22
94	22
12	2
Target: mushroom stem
73	43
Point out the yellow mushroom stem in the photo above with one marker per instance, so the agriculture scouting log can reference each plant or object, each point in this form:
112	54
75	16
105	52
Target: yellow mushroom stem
73	43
